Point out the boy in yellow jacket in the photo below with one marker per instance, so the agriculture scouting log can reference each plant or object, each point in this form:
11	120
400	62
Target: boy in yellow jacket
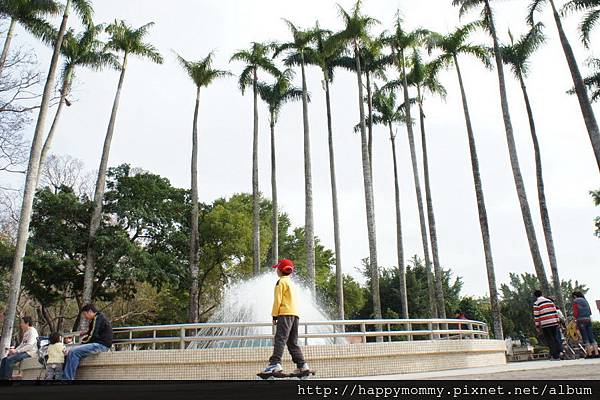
285	316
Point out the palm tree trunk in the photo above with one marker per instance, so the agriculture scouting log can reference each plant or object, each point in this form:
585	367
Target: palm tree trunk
275	217
31	180
514	161
439	287
7	42
482	211
63	96
88	279
582	95
368	183
370	123
194	240
309	225
399	244
339	277
415	168
545	215
255	192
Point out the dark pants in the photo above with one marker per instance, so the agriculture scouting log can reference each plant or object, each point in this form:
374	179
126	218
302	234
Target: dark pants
287	333
6	366
552	339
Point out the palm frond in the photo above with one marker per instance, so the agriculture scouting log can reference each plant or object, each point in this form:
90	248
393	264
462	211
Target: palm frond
534	7
85	11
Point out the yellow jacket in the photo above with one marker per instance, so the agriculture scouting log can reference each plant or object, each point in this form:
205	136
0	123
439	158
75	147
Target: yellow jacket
284	302
55	353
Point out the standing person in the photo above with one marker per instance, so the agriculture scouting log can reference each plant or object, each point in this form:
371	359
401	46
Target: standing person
27	348
546	322
56	358
97	339
285	317
583	315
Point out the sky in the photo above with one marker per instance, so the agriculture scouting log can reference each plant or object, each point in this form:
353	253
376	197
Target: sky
154	124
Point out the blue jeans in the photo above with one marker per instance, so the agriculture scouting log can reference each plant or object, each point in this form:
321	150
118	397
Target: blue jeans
587	334
76	353
6	366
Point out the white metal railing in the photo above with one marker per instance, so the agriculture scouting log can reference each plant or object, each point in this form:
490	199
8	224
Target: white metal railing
179	336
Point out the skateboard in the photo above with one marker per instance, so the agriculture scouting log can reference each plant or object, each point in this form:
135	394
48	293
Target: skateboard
286	375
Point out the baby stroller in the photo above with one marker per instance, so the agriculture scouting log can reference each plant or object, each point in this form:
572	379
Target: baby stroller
572	342
42	353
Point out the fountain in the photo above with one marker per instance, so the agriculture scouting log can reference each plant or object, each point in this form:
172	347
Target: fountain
250	301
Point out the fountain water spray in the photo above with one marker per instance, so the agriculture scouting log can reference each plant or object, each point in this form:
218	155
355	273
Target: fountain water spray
251	301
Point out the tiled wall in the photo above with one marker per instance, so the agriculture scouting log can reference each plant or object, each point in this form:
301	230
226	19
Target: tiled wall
331	361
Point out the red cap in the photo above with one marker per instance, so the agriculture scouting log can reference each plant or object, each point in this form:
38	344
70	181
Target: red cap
285	265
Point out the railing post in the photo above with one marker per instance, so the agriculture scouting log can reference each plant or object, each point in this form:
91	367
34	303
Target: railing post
306	333
363	329
154	340
430	328
472	334
409	328
389	330
130	339
182	338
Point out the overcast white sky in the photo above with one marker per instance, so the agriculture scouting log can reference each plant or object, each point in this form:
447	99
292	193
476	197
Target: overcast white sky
154	133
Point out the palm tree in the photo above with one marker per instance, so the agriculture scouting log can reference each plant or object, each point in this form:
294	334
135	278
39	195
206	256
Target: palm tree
276	95
300	44
81	50
424	78
30	14
517	56
202	74
388	114
591	18
452	46
130	42
257	57
489	25
592	82
84	10
356	33
401	42
326	55
584	101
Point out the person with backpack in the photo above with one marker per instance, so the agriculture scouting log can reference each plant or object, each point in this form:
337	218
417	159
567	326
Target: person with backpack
583	315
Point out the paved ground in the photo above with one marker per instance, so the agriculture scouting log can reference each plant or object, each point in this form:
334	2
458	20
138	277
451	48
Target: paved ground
547	370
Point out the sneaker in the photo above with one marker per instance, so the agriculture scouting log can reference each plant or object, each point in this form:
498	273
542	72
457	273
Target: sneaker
273	369
301	368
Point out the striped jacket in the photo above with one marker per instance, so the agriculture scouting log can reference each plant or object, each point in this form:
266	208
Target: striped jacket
544	313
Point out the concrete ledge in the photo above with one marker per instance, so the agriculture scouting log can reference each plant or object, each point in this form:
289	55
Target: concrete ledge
330	361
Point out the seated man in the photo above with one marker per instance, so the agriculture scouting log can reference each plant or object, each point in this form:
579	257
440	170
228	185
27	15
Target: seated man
27	348
97	339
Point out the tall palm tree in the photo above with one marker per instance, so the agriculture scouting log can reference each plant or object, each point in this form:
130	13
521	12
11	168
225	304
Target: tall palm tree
79	50
452	46
84	11
584	101
202	74
591	18
489	25
276	95
30	14
326	54
425	78
130	42
300	43
257	57
356	33
388	113
516	56
401	42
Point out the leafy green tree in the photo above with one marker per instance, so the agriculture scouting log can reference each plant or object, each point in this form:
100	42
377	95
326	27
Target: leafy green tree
585	104
356	33
256	58
79	50
202	74
596	197
276	95
130	42
84	9
30	14
517	55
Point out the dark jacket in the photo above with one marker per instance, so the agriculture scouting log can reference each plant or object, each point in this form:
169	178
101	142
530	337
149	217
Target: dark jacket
100	331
